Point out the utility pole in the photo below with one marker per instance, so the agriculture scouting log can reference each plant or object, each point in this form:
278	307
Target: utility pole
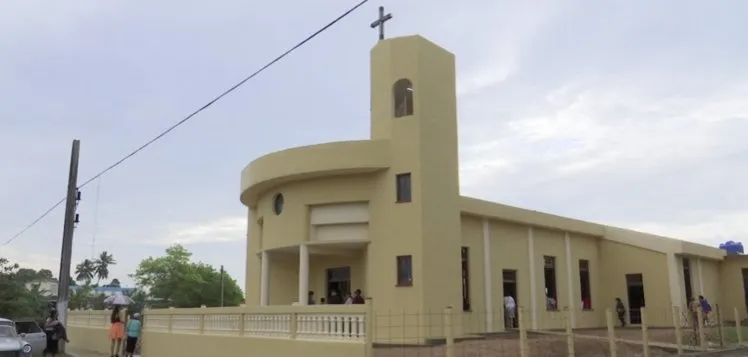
71	204
222	286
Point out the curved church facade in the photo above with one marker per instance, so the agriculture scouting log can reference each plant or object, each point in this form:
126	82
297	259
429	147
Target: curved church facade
385	215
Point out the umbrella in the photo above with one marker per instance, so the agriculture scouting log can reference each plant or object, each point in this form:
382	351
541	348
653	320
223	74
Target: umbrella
118	299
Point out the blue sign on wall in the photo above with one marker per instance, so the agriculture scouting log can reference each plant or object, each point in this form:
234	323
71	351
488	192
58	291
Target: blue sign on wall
732	248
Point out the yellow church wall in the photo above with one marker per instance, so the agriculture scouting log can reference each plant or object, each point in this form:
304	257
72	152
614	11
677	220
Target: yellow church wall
291	227
509	251
619	259
731	284
266	230
587	248
474	321
284	279
709	282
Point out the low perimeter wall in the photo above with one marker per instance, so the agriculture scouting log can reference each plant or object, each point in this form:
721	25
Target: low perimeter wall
327	330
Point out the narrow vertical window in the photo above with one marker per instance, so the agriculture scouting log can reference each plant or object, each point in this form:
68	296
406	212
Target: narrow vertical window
404	270
584	284
465	279
549	270
402	93
403	188
687	278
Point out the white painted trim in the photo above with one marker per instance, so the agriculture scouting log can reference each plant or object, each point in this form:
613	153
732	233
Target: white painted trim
573	304
533	288
303	275
701	277
264	279
674	280
487	280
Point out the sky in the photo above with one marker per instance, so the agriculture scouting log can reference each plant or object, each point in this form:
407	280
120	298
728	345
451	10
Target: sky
624	113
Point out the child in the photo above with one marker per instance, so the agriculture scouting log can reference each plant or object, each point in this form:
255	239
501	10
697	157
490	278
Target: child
133	334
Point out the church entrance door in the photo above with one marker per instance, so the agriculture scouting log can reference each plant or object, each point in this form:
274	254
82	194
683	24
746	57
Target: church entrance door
338	280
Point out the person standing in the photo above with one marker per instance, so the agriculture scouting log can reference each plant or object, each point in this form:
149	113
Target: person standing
55	332
510	311
132	328
116	331
705	309
357	298
621	311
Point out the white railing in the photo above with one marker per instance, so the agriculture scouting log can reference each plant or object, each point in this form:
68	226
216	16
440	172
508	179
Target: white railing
328	323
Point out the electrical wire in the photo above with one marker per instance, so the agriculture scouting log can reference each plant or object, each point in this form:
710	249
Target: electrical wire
193	114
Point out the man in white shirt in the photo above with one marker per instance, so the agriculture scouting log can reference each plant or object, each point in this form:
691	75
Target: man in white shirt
510	309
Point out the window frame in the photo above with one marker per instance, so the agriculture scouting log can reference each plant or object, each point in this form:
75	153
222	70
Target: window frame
585	279
554	292
403	194
404	270
465	276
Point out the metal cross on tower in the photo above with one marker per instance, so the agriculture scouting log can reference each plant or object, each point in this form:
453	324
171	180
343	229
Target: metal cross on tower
380	22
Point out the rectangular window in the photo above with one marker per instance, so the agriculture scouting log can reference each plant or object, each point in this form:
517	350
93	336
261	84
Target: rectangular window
465	280
584	284
404	193
687	278
549	269
404	270
745	286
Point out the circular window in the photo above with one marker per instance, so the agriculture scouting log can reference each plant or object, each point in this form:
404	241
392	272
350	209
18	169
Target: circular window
278	204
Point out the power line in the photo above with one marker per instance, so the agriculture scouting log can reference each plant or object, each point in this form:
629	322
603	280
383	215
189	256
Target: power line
193	114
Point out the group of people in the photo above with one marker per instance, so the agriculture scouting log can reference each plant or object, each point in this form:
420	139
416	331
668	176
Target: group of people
695	305
337	299
125	331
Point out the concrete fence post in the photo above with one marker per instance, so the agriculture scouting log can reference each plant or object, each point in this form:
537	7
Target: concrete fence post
449	332
738	325
720	326
294	324
569	333
369	327
678	331
242	322
524	348
645	331
699	325
610	322
201	324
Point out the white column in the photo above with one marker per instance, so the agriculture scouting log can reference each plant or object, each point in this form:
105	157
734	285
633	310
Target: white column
533	287
264	279
676	287
701	277
303	275
574	304
487	280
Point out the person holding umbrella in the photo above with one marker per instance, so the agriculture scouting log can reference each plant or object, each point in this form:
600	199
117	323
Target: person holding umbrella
117	329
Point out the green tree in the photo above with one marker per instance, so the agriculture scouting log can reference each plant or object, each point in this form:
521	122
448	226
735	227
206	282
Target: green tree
84	272
44	274
81	297
16	301
114	284
183	283
102	264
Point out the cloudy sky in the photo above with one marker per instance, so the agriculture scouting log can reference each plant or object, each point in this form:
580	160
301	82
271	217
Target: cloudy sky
628	113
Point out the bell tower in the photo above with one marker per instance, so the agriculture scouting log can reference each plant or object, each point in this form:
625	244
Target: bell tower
414	107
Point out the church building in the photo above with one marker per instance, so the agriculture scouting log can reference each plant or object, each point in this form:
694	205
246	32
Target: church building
385	215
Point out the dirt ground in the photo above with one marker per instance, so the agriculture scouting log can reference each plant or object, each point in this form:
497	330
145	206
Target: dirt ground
544	346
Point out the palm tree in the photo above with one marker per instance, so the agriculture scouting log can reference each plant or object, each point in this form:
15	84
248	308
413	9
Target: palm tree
84	272
101	269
